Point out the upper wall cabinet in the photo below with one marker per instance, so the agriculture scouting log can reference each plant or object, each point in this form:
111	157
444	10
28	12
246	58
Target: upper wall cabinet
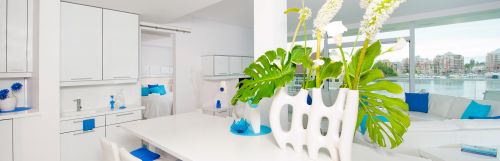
121	45
81	42
14	56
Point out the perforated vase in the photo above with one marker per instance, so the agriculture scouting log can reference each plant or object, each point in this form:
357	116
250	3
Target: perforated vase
342	117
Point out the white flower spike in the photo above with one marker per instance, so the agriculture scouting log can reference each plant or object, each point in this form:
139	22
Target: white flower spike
326	14
377	12
400	44
318	63
305	13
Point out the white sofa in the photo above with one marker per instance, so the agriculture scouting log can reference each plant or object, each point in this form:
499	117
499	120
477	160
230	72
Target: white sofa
442	126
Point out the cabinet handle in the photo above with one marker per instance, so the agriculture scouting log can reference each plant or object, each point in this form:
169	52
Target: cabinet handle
126	114
123	77
81	78
84	132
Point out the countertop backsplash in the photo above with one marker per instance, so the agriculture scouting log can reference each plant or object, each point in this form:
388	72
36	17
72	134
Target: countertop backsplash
96	97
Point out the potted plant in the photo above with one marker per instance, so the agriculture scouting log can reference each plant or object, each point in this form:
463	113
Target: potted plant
8	98
358	98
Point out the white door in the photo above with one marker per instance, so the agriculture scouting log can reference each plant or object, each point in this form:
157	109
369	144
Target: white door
122	137
235	65
3	35
121	45
81	42
6	140
17	35
221	65
82	146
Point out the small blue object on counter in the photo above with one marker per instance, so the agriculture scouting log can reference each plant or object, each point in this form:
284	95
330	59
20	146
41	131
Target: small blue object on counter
485	151
88	124
243	128
18	109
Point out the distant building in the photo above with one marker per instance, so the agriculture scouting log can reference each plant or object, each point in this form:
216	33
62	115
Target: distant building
493	61
424	66
405	66
448	63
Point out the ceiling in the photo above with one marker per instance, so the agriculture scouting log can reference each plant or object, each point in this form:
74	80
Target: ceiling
351	13
234	12
155	11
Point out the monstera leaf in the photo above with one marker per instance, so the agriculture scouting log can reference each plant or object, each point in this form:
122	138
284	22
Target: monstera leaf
269	72
374	105
372	52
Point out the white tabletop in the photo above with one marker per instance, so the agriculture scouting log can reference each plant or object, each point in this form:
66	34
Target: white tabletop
200	137
452	154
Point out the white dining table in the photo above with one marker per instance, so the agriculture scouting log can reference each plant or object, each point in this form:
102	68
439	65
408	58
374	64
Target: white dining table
200	137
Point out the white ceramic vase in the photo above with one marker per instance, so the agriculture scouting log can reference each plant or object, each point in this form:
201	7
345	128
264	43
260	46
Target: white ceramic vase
342	117
8	104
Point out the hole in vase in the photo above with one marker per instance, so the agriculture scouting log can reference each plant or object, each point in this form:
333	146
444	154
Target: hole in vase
324	126
286	111
305	118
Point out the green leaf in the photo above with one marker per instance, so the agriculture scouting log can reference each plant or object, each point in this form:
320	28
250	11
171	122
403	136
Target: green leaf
265	77
371	76
383	86
330	70
372	52
292	10
302	56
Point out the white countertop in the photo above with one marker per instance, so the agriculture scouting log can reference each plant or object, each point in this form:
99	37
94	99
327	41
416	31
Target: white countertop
102	111
21	114
199	137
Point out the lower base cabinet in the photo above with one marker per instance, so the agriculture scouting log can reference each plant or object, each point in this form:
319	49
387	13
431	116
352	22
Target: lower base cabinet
82	146
123	138
6	140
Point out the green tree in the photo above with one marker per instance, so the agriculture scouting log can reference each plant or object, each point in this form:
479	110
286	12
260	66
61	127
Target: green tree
387	70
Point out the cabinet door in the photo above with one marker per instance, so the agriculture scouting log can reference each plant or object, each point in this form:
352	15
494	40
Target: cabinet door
3	35
235	65
221	65
81	42
82	146
6	140
121	45
17	35
122	137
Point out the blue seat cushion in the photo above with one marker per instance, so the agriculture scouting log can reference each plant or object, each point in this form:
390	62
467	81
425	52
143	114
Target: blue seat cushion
144	154
476	110
418	102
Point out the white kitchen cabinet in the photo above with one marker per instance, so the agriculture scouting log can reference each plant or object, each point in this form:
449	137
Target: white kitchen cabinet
82	146
17	35
81	42
221	65
235	65
123	138
120	45
245	62
3	35
6	140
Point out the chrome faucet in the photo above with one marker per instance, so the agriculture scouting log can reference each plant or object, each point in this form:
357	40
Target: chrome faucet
78	104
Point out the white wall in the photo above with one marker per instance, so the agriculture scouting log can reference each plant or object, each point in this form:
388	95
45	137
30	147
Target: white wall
206	38
37	138
157	54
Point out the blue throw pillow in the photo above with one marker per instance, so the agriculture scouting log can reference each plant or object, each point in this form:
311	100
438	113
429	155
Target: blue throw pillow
144	91
162	89
158	89
418	102
476	110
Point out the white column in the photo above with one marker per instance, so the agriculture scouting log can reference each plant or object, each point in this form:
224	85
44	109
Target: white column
270	32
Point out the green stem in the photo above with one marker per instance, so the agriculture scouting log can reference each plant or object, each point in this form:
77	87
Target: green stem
360	64
318	54
355	44
297	31
346	74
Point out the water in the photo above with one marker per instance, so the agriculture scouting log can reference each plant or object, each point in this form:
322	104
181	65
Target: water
469	88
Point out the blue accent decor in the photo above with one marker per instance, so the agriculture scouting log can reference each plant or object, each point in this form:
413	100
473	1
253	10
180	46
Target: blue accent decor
264	130
16	87
4	93
240	126
152	85
491	152
88	124
362	126
218	104
309	100
122	107
18	109
418	102
144	91
158	89
145	154
484	118
221	89
476	110
112	103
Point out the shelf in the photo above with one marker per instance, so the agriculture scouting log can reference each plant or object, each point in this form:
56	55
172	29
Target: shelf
99	82
228	77
15	75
